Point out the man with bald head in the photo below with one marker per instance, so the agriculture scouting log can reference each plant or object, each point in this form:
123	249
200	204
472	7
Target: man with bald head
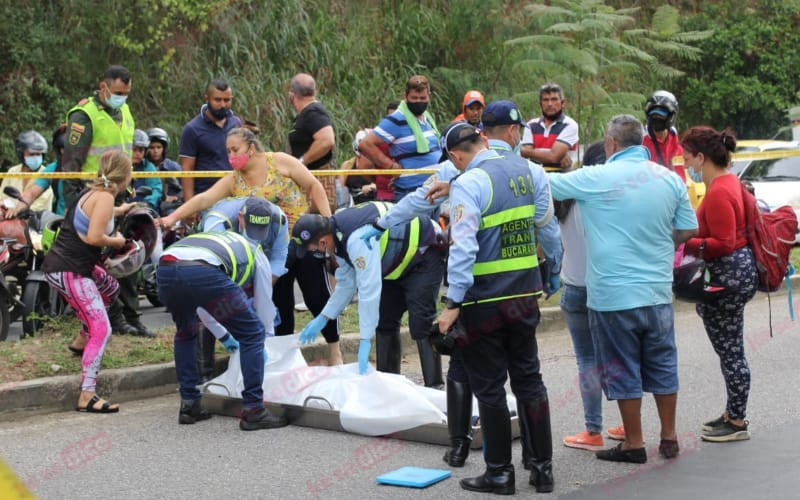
311	138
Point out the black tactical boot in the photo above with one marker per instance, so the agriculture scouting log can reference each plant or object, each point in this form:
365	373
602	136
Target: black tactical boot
459	422
499	475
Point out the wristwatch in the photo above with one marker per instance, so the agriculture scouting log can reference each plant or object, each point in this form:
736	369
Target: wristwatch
450	303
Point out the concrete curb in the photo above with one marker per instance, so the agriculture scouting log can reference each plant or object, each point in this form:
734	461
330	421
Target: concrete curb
52	394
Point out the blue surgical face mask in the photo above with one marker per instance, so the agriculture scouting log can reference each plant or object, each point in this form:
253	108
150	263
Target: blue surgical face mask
695	175
116	101
33	162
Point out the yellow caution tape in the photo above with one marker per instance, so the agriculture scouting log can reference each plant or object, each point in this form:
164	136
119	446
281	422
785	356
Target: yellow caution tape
11	486
203	173
766	155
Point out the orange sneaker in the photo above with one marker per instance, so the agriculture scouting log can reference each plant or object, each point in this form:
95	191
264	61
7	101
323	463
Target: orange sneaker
617	432
585	441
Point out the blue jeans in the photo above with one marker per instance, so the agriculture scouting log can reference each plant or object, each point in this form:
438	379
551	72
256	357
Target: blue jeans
184	288
573	307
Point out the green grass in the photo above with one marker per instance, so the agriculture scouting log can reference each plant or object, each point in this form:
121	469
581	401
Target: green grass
795	258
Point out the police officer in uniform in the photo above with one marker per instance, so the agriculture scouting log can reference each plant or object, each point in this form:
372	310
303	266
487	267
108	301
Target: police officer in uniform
408	258
212	271
502	121
494	284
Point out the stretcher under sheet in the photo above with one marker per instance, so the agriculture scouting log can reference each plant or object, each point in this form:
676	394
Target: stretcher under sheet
339	399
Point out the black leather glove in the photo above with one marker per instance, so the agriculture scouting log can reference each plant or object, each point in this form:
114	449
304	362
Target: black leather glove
447	344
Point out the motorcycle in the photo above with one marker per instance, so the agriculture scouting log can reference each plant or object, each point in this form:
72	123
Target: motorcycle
146	283
36	298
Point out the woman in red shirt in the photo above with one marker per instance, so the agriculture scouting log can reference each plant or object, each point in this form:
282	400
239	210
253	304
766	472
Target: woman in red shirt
722	242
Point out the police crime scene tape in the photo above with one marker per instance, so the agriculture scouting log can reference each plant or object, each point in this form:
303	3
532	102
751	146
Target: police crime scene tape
756	155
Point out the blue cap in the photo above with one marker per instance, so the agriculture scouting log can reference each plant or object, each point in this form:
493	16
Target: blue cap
501	113
257	217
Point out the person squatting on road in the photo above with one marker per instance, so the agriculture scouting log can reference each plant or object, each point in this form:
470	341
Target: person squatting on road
494	284
722	242
402	271
72	267
634	213
212	271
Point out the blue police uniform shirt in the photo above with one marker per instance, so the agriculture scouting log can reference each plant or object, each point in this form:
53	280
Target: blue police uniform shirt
204	141
394	130
468	198
629	207
224	215
414	204
363	276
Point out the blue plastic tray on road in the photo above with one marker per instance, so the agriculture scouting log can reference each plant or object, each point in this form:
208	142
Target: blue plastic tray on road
414	477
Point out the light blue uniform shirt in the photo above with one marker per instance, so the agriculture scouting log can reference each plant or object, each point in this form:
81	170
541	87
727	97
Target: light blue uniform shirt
262	279
629	208
220	216
414	203
365	277
468	198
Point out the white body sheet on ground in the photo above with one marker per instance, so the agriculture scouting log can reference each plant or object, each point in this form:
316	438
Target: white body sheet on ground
373	404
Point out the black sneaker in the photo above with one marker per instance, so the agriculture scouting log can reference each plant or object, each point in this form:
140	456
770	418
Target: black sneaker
727	432
617	454
668	448
122	327
261	418
191	412
713	424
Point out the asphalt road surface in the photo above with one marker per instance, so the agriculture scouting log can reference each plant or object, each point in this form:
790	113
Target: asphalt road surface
143	453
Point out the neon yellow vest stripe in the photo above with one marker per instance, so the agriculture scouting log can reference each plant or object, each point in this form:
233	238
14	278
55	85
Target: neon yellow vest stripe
107	135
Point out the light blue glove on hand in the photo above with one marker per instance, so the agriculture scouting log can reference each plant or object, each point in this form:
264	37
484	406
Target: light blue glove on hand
277	321
312	329
554	284
369	234
364	346
230	343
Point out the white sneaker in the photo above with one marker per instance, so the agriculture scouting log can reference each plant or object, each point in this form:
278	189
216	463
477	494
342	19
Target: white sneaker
301	307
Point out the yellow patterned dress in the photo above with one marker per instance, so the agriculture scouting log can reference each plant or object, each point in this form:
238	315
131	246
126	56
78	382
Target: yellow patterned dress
278	189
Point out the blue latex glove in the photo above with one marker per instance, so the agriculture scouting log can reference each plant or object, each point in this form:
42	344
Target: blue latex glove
312	329
230	343
554	284
277	320
369	234
364	346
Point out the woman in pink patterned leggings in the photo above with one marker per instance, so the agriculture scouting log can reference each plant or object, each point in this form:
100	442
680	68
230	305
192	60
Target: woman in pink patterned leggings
72	267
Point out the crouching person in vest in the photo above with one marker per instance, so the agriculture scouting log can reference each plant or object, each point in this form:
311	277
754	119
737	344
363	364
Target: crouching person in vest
363	268
494	284
213	271
235	214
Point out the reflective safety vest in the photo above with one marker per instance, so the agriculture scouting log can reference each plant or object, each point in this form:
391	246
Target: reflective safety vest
107	135
236	253
399	245
506	265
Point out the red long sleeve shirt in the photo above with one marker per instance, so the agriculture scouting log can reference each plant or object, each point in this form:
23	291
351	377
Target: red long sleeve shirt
721	219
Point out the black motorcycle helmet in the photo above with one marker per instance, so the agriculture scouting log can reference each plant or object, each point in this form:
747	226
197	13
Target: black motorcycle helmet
691	283
31	140
59	140
661	110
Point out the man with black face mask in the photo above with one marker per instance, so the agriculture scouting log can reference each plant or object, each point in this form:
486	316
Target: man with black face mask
551	139
661	137
202	145
412	137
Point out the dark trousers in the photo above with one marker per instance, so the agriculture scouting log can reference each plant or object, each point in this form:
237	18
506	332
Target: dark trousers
182	289
127	304
312	276
502	343
416	293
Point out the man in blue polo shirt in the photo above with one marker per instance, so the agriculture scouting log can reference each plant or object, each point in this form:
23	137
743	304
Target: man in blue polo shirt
202	147
634	212
412	137
202	144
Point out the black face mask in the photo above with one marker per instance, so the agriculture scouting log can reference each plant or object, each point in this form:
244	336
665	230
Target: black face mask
657	124
417	107
218	113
